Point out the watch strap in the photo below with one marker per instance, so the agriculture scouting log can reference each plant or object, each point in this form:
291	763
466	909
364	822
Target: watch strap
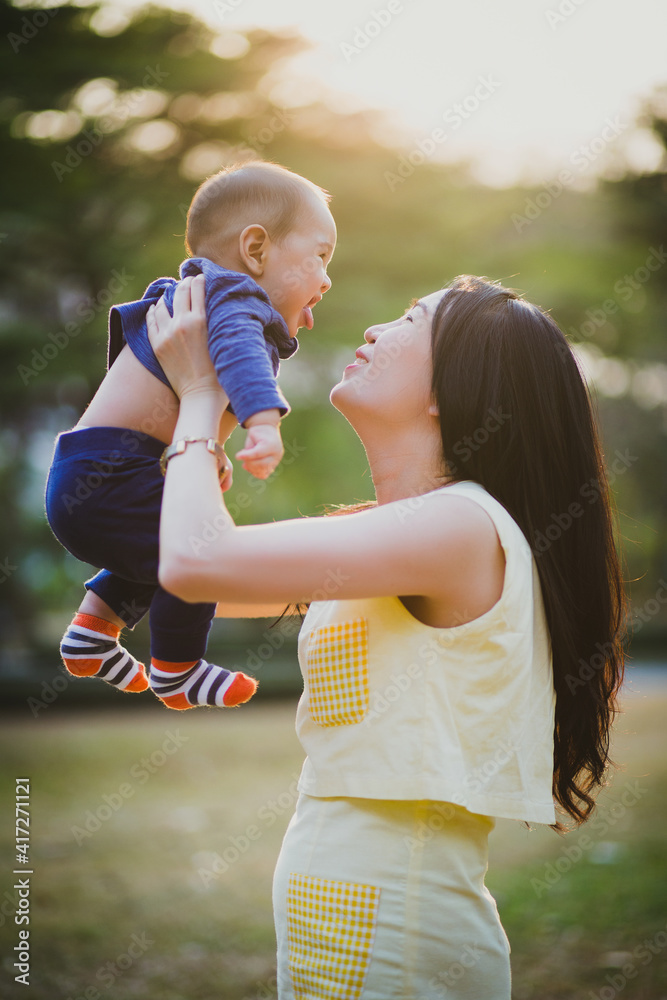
178	448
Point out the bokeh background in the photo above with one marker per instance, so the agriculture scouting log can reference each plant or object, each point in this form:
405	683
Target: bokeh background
526	141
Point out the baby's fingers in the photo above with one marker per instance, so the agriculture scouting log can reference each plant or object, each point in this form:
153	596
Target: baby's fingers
259	468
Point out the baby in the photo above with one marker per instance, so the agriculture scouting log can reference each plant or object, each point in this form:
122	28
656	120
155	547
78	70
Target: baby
262	237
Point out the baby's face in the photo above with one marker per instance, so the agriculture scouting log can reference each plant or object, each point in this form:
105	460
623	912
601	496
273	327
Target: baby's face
295	275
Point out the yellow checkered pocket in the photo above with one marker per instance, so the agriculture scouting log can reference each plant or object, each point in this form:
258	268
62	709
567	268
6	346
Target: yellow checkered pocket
337	665
330	931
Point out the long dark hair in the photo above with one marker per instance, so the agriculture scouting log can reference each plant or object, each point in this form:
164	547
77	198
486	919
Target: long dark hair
517	418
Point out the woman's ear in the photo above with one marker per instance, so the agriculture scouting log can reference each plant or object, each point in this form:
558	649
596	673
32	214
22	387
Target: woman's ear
253	246
433	410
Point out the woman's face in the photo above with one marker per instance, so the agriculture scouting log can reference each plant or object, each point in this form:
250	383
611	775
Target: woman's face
391	377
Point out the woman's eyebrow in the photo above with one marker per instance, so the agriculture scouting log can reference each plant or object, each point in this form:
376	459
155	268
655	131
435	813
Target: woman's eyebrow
413	304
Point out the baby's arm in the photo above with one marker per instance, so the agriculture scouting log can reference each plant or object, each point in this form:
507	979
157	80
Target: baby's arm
263	448
245	369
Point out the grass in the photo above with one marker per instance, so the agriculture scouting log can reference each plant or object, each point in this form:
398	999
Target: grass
154	837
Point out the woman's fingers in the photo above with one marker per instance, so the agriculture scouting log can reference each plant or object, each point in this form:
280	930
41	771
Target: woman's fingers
198	296
161	315
227	477
182	297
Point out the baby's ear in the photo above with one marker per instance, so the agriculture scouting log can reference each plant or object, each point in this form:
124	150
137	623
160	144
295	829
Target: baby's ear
253	245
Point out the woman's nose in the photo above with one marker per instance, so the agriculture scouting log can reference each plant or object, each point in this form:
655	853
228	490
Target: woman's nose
371	334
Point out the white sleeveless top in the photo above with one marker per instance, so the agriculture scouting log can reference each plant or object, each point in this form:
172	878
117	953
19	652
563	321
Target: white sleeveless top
395	709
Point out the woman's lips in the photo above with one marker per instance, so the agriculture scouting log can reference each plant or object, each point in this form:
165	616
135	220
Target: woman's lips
361	361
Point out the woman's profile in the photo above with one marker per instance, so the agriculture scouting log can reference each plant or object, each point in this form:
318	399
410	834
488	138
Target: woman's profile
465	666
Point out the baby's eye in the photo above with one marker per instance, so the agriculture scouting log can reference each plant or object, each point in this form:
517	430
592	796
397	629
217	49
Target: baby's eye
408	317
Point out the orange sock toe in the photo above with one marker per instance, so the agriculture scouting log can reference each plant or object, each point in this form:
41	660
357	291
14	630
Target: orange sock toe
240	690
138	683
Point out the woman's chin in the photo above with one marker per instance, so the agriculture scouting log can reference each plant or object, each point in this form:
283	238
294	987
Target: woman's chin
346	400
334	395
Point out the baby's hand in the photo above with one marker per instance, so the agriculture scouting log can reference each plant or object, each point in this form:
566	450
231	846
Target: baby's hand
262	450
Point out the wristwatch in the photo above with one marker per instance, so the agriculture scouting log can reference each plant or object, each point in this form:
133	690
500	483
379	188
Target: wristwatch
178	447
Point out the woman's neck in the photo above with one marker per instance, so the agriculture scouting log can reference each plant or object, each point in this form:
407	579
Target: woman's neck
405	467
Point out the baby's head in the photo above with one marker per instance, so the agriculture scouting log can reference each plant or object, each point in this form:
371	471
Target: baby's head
269	223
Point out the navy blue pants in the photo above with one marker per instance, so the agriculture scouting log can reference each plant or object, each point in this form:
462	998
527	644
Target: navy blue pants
103	499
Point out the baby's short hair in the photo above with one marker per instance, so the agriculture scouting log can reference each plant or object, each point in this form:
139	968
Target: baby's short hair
242	194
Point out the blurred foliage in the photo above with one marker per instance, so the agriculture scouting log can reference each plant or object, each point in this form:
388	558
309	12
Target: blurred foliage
104	137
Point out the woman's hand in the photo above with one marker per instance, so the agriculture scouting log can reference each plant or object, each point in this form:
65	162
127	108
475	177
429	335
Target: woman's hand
180	342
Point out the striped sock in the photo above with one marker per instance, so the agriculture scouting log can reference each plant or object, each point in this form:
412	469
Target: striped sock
90	648
196	682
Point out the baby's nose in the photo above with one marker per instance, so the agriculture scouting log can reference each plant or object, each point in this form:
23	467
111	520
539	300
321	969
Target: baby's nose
326	284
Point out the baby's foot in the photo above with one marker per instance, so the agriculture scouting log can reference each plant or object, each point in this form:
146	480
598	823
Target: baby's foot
196	682
90	648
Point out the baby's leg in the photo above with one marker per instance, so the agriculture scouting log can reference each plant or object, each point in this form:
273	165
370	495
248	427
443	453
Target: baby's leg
91	647
179	675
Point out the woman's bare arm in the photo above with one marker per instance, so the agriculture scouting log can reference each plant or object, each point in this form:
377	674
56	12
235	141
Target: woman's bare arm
227	610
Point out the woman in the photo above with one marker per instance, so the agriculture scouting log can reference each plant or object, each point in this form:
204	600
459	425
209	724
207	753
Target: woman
467	663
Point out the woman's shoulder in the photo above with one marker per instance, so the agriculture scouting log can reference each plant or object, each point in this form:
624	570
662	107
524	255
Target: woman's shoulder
472	505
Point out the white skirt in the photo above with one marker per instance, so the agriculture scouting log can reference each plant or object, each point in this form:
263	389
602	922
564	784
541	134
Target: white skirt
383	900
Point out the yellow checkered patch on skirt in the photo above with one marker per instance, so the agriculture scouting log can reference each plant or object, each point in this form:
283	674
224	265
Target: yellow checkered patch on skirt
330	931
337	663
